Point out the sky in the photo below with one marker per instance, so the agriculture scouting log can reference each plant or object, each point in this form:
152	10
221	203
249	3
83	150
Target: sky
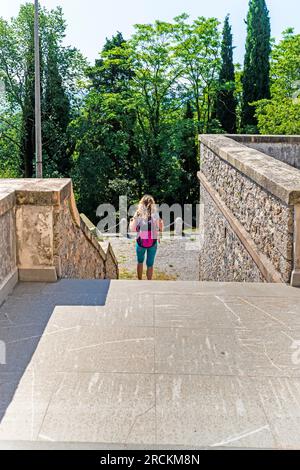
91	21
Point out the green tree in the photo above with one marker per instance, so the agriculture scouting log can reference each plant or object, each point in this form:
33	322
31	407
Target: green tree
9	144
256	78
142	113
154	97
186	147
197	50
56	118
225	101
106	158
17	69
63	83
281	113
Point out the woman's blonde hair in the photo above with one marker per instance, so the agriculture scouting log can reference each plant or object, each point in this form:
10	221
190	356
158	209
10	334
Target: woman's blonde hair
146	207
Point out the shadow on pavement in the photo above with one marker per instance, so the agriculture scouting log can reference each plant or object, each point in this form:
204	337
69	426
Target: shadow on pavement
24	317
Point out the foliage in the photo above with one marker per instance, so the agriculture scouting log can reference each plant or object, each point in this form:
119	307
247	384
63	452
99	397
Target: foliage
148	105
226	101
281	114
256	80
197	49
61	70
129	124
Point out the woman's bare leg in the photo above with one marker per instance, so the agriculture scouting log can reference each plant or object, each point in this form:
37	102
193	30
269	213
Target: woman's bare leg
150	273
140	271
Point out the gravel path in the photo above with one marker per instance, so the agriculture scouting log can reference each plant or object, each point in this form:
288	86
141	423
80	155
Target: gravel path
176	259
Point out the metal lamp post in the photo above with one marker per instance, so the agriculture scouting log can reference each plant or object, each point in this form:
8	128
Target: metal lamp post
38	124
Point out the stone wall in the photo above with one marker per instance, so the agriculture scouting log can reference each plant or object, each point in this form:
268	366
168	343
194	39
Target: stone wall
249	203
8	264
77	254
42	234
223	256
111	265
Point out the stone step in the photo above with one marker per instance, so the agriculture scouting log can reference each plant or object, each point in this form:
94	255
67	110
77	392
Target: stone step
31	445
128	364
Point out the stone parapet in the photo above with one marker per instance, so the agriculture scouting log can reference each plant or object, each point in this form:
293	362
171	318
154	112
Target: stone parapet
43	237
250	203
8	261
285	148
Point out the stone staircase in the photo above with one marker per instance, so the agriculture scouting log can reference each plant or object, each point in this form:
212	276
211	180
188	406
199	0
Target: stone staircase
126	364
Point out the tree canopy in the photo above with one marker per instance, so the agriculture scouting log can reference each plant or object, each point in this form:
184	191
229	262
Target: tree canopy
256	75
281	113
129	123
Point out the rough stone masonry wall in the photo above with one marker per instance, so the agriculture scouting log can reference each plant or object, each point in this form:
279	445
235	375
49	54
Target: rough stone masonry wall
222	256
7	244
111	265
267	220
8	262
76	253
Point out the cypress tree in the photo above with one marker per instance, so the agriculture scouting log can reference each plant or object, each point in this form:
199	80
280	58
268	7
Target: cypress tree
256	78
226	103
56	118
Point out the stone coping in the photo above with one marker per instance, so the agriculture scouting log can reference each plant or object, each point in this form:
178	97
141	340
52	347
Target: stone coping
265	139
42	192
88	229
278	178
7	200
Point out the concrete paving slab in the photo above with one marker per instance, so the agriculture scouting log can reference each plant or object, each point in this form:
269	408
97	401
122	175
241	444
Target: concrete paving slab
95	407
110	349
78	287
240	353
280	398
8	385
28	288
284	310
46	445
216	312
267	353
27	310
192	351
246	312
134	310
210	411
24	415
132	364
195	288
52	350
191	312
66	317
20	344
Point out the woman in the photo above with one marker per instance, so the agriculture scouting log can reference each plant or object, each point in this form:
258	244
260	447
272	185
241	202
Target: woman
148	225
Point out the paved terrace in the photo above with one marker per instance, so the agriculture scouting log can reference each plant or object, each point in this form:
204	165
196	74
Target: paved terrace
100	364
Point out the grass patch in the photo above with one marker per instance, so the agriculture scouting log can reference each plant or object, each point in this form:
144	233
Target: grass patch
125	274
